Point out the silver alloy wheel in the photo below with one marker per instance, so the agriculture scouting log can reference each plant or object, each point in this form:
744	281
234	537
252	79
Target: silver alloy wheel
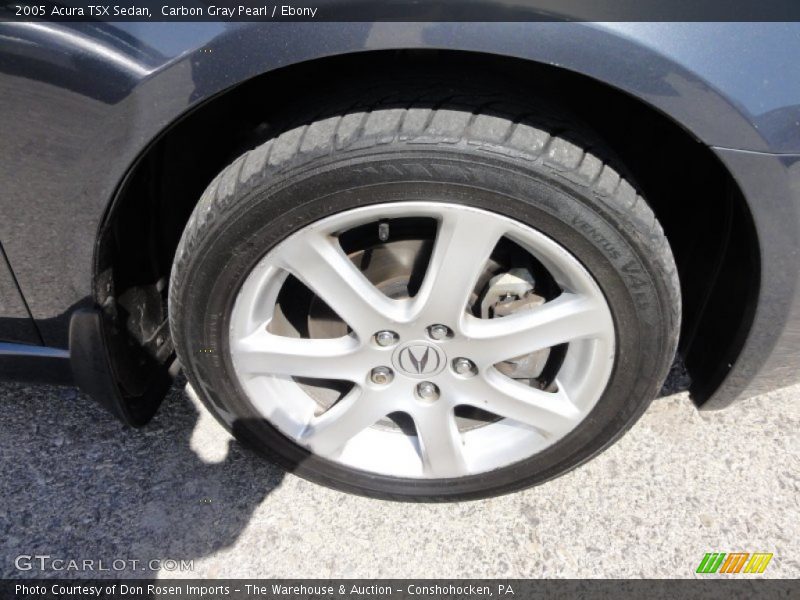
424	385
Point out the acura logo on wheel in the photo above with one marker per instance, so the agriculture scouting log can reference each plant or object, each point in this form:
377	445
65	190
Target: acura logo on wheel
419	359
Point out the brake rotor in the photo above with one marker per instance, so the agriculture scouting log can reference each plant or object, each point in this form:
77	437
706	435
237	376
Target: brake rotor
388	266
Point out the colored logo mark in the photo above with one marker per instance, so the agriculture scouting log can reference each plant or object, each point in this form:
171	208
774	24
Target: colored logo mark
734	562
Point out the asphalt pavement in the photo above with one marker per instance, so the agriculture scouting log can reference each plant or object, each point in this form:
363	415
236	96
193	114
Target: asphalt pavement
77	485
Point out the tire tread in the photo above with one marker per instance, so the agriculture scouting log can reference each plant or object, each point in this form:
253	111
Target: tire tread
516	136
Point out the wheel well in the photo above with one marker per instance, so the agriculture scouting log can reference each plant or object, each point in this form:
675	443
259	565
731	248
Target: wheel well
701	209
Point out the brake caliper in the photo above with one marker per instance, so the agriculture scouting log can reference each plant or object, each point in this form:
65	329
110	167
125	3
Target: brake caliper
508	293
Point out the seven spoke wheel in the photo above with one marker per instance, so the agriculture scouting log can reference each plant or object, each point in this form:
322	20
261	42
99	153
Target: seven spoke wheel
433	334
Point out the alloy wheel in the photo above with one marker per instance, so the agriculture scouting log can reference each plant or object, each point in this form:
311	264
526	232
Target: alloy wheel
421	339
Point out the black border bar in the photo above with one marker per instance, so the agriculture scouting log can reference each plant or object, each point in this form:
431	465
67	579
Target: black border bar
402	10
730	588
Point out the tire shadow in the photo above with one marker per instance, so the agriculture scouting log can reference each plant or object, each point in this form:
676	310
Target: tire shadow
79	485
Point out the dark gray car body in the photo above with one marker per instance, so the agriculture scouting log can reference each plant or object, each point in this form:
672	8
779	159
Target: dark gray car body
80	103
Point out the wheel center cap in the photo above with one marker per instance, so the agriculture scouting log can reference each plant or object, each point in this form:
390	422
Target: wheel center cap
419	359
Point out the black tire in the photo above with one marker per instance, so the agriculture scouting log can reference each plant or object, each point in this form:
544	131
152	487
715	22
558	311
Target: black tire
514	163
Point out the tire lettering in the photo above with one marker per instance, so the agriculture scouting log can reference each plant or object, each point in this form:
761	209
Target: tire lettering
595	236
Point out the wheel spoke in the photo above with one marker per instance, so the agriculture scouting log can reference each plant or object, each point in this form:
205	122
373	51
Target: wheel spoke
568	318
440	442
328	433
551	412
464	242
318	261
265	353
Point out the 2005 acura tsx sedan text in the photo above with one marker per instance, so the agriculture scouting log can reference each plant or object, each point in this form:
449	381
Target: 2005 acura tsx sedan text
425	261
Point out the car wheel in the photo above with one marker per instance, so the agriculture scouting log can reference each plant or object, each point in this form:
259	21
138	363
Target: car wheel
425	303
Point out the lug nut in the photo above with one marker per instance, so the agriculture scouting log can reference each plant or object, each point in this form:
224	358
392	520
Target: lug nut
439	332
385	338
464	366
381	375
427	391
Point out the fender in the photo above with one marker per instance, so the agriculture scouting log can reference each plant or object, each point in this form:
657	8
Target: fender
101	93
